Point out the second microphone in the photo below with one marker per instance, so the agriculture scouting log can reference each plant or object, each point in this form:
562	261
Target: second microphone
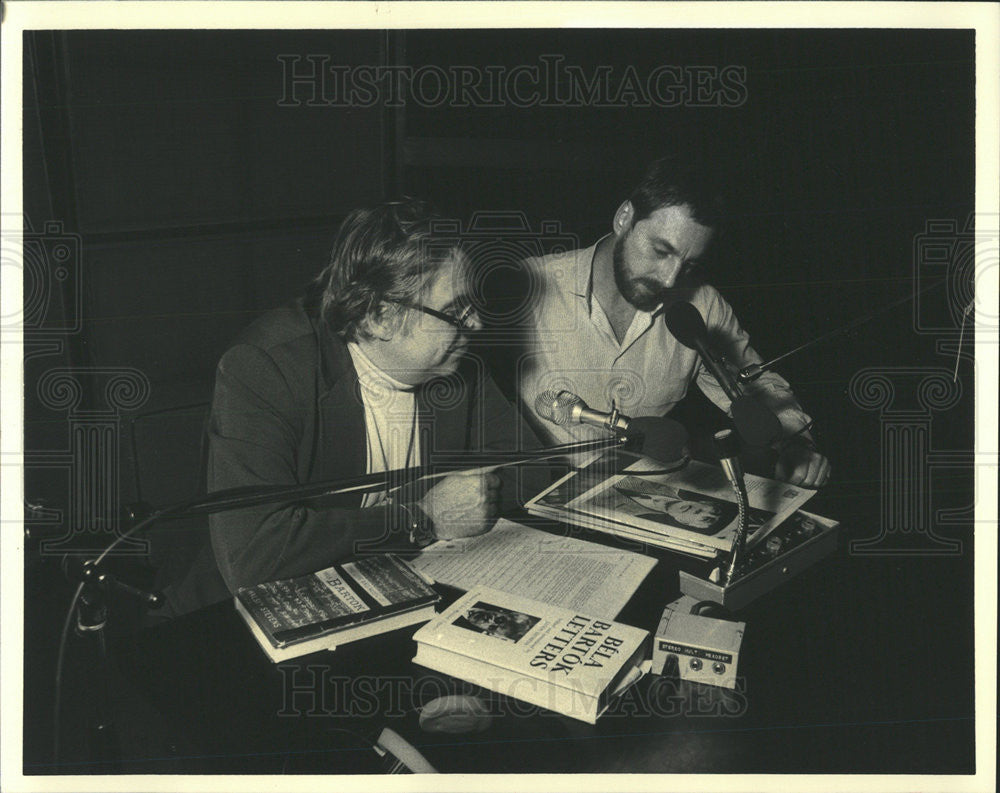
657	437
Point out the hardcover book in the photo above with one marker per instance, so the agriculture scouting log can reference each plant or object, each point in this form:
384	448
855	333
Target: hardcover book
548	656
352	600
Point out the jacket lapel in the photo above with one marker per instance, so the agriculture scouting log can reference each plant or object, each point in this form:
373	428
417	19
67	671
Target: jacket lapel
442	419
340	434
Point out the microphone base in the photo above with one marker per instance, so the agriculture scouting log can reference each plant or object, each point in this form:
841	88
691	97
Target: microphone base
762	570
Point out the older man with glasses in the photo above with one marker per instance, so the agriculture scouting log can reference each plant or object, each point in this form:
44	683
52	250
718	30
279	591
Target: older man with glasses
366	373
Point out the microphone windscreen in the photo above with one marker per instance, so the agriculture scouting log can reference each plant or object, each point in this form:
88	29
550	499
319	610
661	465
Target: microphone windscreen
686	324
726	443
755	422
662	439
555	406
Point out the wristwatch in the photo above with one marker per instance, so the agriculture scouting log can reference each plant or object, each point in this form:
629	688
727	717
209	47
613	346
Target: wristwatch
419	526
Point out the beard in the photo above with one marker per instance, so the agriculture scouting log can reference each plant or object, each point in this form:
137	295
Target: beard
646	294
643	293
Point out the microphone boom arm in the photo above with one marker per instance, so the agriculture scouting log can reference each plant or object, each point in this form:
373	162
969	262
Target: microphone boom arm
750	373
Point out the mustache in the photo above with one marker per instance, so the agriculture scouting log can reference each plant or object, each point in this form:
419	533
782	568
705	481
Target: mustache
684	283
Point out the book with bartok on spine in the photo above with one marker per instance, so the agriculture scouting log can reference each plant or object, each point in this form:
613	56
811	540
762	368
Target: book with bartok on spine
348	601
548	656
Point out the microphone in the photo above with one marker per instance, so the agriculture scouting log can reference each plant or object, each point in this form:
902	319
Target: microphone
685	323
659	438
564	407
755	421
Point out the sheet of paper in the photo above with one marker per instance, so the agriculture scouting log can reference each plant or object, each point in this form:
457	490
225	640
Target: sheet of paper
591	578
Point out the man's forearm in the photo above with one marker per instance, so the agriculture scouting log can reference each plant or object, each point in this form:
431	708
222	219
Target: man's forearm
256	545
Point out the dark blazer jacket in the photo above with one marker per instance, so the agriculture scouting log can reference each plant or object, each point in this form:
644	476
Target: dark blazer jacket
287	409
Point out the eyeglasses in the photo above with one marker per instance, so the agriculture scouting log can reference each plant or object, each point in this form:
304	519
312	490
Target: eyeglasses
462	321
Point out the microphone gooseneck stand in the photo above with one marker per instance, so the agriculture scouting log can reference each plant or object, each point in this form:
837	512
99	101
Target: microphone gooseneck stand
88	607
739	542
728	451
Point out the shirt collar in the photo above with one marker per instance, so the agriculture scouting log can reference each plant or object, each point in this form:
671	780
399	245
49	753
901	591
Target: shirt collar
584	268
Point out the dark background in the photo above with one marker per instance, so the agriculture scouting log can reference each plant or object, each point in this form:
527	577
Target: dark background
196	201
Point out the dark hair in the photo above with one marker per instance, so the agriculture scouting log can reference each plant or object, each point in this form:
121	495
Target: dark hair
725	511
381	254
669	182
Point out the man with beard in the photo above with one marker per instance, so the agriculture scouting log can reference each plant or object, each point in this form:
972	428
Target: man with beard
599	332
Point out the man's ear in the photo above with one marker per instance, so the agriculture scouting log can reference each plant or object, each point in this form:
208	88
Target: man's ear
383	322
623	218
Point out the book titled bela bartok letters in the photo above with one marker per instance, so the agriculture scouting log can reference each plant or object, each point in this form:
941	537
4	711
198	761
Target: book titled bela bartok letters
542	654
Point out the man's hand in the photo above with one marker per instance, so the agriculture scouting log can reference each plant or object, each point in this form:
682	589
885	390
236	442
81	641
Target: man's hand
462	505
800	464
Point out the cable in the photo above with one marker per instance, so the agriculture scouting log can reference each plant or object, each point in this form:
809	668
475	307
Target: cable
64	636
844	328
59	670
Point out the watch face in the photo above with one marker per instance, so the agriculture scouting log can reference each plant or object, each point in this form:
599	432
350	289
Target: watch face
421	531
424	535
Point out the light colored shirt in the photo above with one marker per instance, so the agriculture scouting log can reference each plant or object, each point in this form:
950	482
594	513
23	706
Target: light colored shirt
574	349
392	440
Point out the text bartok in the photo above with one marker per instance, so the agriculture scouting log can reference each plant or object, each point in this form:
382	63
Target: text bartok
313	80
581	648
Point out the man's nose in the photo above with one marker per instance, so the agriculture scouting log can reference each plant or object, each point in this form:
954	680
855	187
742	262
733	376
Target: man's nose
474	321
671	269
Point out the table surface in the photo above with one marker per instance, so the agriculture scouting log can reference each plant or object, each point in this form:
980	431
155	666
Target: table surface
843	669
